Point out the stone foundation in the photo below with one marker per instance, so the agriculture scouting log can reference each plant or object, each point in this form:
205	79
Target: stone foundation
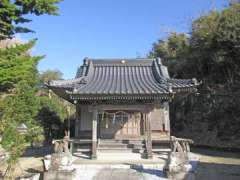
60	167
60	175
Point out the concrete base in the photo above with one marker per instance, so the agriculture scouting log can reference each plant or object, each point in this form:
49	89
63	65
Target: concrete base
60	175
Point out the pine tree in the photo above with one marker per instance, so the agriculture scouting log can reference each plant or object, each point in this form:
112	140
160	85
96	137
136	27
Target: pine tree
16	64
13	13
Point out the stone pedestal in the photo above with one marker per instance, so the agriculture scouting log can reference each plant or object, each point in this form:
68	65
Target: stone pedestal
60	175
178	167
30	176
61	167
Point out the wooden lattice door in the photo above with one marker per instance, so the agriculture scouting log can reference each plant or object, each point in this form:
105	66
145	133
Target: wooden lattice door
132	127
120	124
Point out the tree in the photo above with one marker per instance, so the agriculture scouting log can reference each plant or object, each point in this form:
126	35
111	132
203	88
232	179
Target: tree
232	2
173	52
211	54
51	116
13	13
14	143
23	107
19	76
16	64
49	75
211	50
53	109
20	108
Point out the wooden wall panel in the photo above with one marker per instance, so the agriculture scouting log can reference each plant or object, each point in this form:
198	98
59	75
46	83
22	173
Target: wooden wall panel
157	118
86	119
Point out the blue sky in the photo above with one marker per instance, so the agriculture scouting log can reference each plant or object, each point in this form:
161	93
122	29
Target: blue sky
109	29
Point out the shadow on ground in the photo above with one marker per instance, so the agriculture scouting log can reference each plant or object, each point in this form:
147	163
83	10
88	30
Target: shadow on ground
139	168
34	170
135	172
213	171
38	151
216	153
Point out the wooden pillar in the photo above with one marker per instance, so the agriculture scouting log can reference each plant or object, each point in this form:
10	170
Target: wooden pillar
148	135
77	121
166	116
68	120
94	134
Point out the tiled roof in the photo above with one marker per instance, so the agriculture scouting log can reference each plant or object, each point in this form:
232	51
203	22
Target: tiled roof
122	77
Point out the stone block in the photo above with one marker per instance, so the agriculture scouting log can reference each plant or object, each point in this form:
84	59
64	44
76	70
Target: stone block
60	175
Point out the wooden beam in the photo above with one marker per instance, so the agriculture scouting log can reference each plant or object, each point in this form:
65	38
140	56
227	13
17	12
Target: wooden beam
137	107
94	134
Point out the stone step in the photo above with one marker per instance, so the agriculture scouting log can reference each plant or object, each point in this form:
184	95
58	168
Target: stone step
138	150
121	145
135	142
115	150
138	146
121	141
112	145
160	147
83	150
118	156
161	150
82	145
111	141
84	155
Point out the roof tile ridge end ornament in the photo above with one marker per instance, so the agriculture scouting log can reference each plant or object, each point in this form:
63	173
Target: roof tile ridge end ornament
65	82
89	72
157	64
85	67
159	60
157	73
55	82
83	79
69	92
192	81
196	82
171	92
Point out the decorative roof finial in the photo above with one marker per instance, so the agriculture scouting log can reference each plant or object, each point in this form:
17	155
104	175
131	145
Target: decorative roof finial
195	82
85	60
170	89
159	61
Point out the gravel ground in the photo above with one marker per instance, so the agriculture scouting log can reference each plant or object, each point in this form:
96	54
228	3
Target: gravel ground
218	165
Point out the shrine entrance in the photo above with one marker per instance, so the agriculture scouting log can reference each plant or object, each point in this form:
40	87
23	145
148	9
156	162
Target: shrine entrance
119	124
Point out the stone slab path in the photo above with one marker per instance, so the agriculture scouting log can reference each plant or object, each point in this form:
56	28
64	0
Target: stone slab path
121	173
124	171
